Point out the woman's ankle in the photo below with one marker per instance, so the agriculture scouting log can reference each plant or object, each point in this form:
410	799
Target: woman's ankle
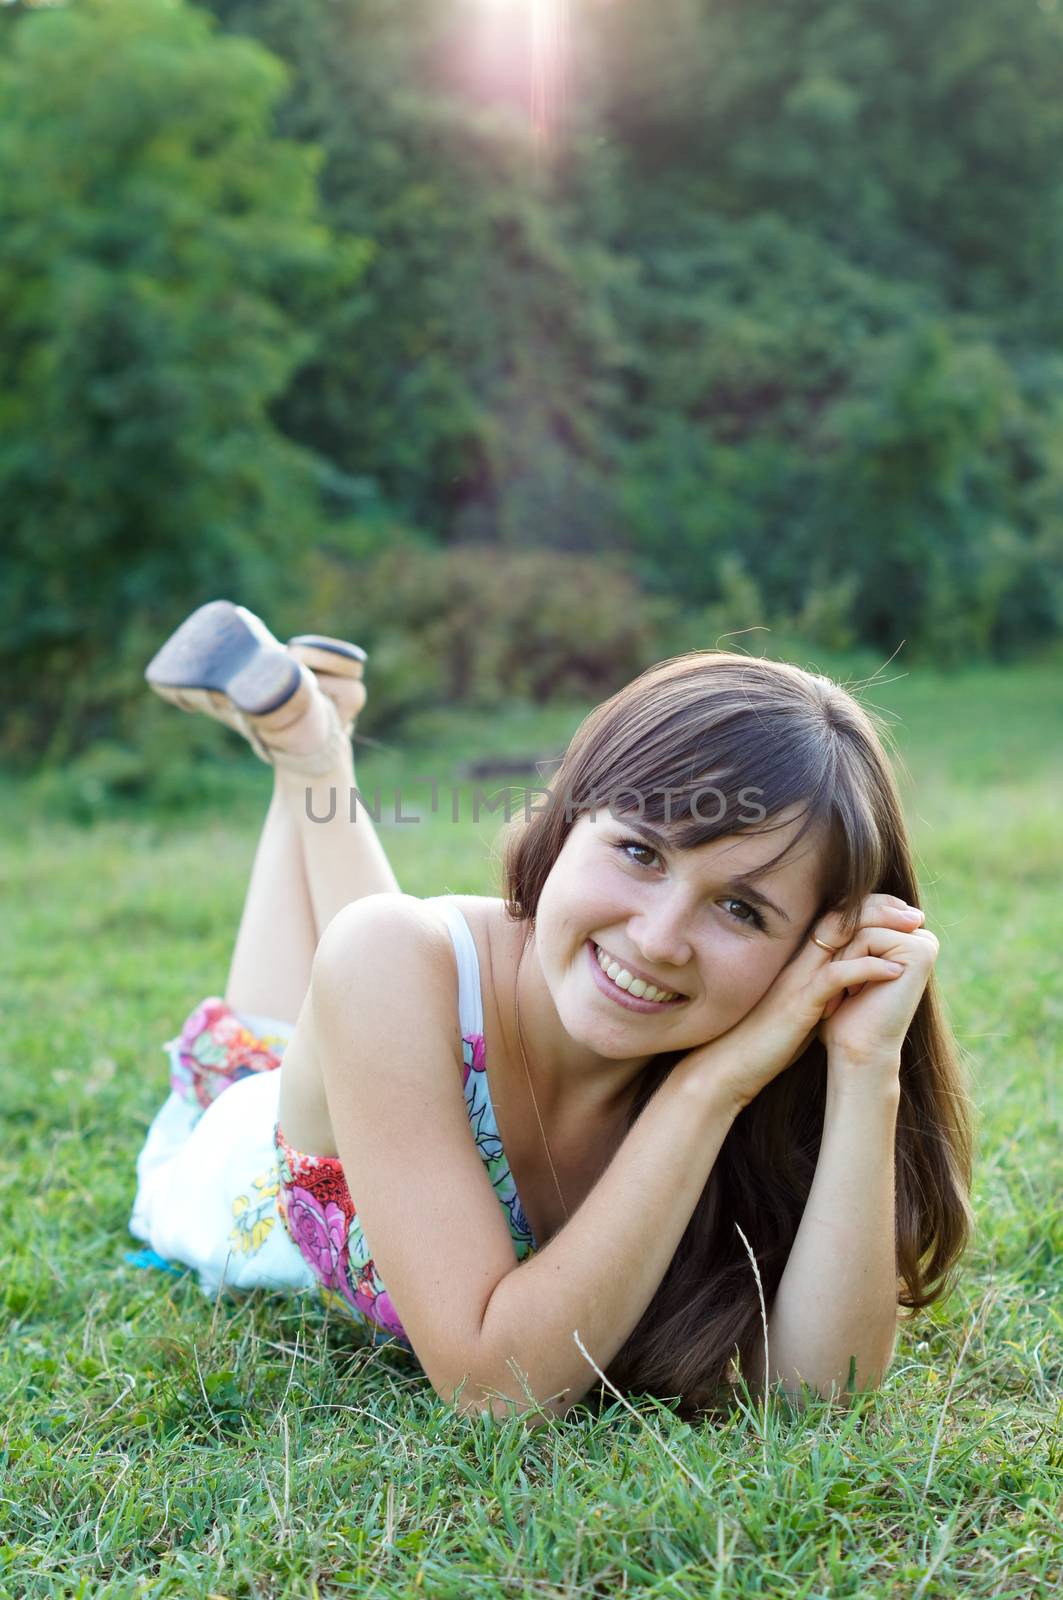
308	732
319	794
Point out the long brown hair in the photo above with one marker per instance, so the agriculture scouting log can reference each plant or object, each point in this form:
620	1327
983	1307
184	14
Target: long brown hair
744	724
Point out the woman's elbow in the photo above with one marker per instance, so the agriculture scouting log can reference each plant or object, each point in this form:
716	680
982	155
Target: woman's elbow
472	1400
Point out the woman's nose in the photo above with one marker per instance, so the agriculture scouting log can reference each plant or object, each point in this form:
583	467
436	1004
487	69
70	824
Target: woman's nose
661	934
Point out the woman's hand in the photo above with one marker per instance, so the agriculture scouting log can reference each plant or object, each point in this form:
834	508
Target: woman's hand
886	964
868	1023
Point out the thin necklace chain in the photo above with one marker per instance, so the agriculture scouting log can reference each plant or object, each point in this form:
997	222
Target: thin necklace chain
527	1074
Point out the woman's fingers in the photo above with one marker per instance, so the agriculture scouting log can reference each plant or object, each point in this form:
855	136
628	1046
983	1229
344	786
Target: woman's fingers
917	944
812	986
890	952
838	975
878	910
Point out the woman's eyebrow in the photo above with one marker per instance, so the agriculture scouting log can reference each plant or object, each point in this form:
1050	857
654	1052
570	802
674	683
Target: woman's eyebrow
745	884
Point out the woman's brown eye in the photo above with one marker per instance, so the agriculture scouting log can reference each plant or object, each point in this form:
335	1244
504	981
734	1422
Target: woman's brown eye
634	844
754	920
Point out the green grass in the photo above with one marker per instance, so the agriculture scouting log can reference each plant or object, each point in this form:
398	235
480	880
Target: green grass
154	1443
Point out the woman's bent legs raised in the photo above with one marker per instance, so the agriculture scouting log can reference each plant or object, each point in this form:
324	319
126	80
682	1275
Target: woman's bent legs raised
343	859
207	1191
310	862
297	706
270	969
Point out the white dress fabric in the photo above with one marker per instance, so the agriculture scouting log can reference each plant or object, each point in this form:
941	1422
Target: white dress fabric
208	1179
209	1176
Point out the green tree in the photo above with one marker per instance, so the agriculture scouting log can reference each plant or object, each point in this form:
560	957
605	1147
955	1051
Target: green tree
848	219
674	333
475	374
161	266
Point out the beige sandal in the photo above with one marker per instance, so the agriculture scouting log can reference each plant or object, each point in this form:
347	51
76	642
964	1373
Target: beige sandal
334	750
337	665
224	661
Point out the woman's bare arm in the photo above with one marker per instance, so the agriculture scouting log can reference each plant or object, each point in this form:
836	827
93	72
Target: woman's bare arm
599	1273
837	1299
490	1332
383	1015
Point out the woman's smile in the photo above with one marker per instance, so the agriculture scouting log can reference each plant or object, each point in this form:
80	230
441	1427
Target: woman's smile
623	997
669	914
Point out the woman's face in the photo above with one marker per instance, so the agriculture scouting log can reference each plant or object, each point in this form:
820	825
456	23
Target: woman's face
686	920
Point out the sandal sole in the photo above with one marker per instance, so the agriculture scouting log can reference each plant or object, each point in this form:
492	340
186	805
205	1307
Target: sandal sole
220	650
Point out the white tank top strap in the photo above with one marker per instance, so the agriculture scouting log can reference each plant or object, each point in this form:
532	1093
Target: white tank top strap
470	1001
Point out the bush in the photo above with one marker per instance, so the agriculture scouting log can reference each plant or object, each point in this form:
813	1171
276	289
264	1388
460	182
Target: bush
479	626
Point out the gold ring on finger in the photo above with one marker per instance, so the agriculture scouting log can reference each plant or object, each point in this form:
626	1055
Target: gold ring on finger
832	948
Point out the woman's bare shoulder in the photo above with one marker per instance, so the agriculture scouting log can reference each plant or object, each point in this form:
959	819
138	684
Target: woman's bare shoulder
410	930
385	964
384	985
411	945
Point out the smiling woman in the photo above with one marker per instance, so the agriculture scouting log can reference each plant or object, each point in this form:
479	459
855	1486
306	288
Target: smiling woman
717	903
707	1006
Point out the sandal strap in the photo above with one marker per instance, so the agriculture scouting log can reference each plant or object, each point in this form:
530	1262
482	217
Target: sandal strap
325	655
329	755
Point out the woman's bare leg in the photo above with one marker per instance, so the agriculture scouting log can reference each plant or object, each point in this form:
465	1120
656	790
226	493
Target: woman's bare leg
270	970
343	860
304	872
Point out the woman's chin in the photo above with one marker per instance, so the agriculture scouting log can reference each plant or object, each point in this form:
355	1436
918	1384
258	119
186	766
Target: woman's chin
603	1037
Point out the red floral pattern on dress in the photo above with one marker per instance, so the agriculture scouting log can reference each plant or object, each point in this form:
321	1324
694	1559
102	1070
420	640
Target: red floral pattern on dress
318	1212
214	1049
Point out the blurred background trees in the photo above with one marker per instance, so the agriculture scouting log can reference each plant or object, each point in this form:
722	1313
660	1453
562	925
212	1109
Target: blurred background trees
299	306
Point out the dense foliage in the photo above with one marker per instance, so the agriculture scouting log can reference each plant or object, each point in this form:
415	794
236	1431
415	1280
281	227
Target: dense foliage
769	307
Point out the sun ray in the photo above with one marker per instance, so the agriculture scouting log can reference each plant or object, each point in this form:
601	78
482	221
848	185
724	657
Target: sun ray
549	53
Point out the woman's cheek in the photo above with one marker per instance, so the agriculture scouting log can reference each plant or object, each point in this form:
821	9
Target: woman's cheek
743	984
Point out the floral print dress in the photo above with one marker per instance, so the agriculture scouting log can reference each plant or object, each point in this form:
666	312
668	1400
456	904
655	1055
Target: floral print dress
221	1189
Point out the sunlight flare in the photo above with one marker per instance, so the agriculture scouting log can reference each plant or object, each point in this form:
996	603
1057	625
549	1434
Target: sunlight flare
525	42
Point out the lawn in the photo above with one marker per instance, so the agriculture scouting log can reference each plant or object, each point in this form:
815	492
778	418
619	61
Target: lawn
156	1443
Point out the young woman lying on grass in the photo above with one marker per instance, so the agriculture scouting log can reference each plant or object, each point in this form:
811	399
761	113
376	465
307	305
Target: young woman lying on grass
704	1009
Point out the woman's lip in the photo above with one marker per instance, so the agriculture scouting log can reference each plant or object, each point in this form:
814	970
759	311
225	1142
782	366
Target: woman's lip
631	1002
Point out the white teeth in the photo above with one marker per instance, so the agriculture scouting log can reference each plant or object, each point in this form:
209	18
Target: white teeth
623	980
